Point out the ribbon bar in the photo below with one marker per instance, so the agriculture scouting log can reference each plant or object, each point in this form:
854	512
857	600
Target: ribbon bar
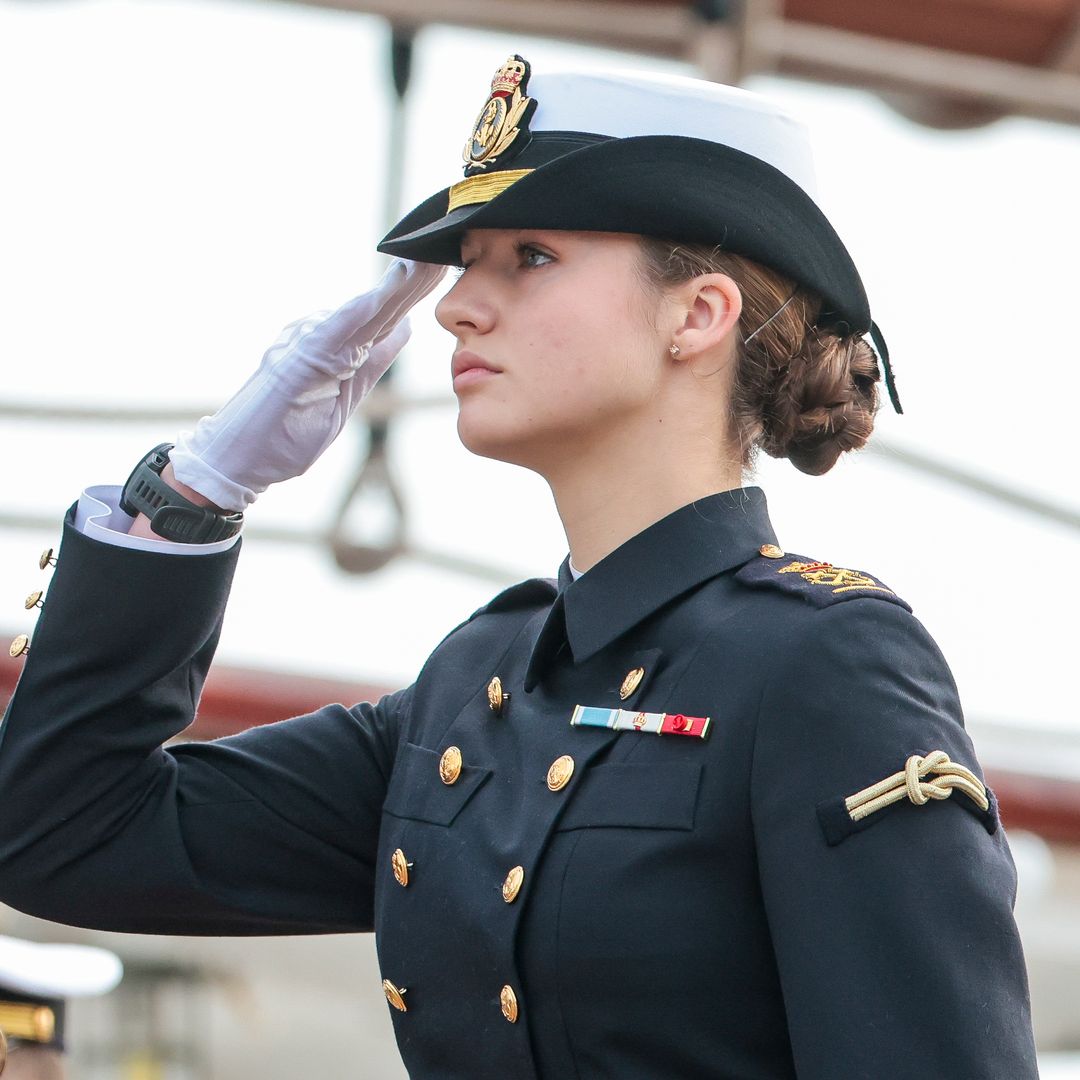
629	720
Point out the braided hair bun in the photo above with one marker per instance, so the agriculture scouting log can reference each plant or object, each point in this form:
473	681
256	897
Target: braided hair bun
799	392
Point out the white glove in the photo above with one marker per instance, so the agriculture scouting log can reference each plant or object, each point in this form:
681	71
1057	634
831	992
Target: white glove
306	388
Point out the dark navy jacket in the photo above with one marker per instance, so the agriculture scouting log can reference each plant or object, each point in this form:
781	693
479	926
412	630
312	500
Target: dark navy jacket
690	909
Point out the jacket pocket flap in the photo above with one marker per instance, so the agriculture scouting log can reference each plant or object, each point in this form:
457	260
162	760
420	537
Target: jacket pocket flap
417	792
621	795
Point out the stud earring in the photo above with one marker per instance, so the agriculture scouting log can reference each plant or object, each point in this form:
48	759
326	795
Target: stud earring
674	350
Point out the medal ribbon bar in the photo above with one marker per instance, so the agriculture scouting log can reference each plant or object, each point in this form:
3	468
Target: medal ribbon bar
629	720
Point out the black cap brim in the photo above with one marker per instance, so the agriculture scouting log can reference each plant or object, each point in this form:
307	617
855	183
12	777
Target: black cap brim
667	186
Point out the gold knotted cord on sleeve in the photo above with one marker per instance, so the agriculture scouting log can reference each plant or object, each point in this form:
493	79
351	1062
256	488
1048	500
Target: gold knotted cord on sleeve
911	783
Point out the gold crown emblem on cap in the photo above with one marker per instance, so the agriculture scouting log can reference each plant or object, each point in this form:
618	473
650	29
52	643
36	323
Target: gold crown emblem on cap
509	76
503	118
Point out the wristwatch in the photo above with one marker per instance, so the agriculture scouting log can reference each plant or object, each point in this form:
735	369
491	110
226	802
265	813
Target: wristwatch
172	516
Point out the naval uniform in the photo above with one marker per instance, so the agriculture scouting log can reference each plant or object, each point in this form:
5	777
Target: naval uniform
556	900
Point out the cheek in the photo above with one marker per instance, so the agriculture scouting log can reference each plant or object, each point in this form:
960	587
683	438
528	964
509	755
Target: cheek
594	352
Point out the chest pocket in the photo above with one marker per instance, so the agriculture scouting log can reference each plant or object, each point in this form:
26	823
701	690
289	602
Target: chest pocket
417	792
637	796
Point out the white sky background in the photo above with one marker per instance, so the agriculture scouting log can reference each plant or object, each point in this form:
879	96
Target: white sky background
180	179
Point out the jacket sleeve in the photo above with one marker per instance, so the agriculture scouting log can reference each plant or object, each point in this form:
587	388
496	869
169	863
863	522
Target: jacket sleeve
894	937
271	831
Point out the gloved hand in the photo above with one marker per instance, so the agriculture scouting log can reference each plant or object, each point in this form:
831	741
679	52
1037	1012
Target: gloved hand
306	388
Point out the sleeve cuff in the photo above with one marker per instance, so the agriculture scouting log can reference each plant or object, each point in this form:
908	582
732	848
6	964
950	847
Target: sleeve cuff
98	516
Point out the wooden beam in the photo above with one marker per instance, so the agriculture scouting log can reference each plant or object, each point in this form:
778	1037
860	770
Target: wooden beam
860	60
795	48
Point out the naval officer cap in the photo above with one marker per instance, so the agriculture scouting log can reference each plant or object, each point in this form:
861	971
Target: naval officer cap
674	158
35	981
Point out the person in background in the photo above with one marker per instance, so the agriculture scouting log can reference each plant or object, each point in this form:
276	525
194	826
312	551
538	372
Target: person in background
35	983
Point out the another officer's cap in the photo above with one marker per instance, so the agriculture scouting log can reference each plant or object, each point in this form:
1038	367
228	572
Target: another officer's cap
36	979
675	158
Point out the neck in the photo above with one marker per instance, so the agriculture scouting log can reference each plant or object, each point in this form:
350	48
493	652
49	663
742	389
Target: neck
605	498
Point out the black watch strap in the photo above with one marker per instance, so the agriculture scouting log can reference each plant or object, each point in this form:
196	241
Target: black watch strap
172	516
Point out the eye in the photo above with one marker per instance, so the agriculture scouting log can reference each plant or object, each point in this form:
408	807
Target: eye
532	256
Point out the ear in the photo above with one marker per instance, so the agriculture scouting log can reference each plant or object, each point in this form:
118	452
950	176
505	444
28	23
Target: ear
712	304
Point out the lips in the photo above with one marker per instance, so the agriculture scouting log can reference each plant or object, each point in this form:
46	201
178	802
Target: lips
467	361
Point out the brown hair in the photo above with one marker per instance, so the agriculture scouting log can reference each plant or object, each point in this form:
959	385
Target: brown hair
798	391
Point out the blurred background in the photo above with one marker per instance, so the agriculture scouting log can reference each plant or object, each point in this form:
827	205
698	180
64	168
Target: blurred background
182	177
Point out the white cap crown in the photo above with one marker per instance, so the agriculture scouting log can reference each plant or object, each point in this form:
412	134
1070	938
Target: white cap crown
624	104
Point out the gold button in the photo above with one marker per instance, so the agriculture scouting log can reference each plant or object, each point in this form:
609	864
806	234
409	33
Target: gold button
771	551
19	646
401	867
631	682
395	996
46	558
498	699
34	599
450	765
508	1002
558	776
512	884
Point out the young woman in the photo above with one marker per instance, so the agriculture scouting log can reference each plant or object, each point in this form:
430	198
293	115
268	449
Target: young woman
698	808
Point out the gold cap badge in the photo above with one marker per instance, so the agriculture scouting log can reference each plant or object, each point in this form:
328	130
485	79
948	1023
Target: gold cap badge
503	119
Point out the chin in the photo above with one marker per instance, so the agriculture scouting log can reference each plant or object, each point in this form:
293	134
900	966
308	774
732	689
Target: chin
485	439
497	439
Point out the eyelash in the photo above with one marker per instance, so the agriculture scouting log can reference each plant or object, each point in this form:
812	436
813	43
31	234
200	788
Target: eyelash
523	250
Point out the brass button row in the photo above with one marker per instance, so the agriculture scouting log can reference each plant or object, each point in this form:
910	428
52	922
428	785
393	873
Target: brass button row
20	645
508	1001
499	699
511	885
558	775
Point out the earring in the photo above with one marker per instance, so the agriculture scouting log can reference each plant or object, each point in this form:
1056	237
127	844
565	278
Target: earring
674	350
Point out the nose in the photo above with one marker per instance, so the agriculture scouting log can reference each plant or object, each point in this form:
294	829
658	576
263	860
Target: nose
464	309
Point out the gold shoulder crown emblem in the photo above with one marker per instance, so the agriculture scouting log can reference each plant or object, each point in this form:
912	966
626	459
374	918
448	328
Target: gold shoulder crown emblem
504	115
838	579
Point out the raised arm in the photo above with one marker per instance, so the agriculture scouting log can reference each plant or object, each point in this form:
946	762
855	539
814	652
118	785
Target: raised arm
273	831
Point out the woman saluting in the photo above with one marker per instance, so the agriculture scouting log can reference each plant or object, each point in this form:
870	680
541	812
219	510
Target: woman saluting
699	808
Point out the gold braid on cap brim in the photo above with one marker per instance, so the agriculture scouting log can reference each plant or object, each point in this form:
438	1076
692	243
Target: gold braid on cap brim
31	1023
483	188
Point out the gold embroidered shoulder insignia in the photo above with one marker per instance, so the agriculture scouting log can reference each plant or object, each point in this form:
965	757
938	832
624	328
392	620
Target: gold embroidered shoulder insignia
817	583
838	579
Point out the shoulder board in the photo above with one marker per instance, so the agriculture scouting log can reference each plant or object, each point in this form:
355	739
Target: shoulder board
535	592
818	583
